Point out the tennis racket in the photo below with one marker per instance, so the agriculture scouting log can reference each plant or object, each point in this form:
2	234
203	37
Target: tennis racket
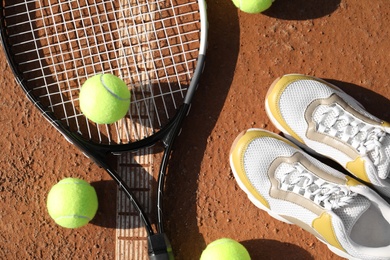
156	46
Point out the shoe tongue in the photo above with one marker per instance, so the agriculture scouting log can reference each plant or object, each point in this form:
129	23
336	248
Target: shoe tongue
351	213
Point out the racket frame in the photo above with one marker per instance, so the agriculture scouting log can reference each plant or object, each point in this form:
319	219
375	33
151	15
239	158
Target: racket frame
158	244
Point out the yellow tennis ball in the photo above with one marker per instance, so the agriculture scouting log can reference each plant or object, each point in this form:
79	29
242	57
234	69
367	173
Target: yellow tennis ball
253	6
72	203
225	249
104	98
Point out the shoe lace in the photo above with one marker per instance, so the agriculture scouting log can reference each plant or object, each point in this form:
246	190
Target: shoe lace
330	196
364	138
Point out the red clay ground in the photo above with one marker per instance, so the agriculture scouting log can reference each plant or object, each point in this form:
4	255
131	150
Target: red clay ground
343	41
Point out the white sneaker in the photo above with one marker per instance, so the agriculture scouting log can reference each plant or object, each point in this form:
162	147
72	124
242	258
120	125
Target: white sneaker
278	177
320	117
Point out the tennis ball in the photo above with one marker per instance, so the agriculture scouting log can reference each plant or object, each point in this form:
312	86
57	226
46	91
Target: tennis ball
104	98
225	249
253	6
72	203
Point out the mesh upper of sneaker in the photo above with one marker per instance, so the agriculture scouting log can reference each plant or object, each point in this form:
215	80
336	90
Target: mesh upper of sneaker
294	177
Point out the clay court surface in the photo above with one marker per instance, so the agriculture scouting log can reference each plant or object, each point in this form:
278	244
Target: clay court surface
346	42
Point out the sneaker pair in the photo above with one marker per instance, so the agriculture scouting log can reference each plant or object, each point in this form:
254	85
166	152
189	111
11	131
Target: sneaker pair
294	187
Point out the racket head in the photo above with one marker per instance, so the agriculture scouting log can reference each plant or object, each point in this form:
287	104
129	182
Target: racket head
156	47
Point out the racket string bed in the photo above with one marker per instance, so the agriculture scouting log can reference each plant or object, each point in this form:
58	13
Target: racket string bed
73	40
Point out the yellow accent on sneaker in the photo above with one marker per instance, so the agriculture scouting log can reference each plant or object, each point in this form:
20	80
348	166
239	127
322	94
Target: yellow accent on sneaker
237	152
352	181
385	124
358	169
272	97
323	225
239	146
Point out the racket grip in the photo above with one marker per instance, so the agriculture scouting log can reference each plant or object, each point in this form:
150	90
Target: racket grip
159	247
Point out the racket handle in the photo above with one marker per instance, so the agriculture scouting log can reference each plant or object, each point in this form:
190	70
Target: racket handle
159	247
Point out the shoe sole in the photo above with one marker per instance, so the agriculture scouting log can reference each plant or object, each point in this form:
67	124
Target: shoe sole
264	208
